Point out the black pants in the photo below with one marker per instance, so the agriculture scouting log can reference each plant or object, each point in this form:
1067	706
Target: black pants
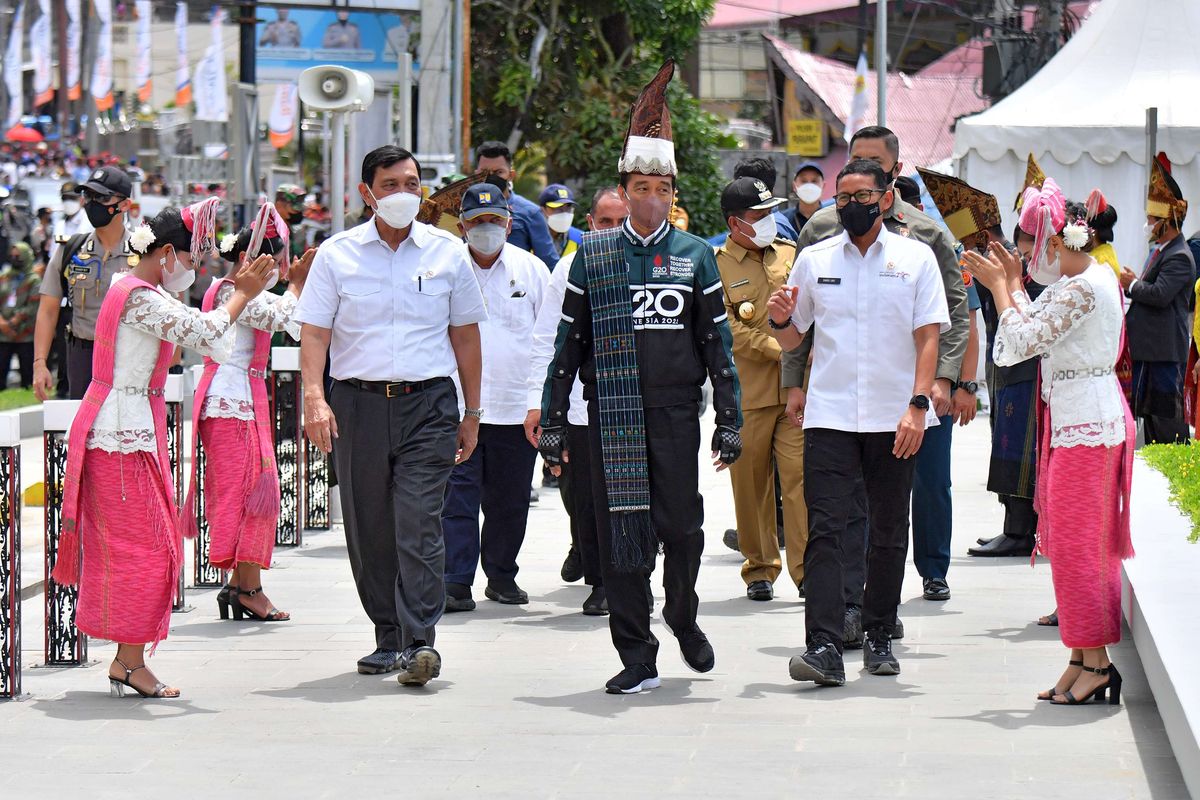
24	353
56	361
676	514
393	458
854	548
833	462
1165	430
79	366
575	487
495	479
1020	520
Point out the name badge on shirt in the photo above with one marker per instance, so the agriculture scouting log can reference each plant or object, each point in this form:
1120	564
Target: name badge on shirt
830	281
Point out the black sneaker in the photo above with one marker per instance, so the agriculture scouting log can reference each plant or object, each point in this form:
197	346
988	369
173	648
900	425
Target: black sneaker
877	654
633	679
572	568
419	664
697	653
596	604
898	628
760	590
852	631
730	540
458	598
549	480
936	589
508	595
379	662
820	663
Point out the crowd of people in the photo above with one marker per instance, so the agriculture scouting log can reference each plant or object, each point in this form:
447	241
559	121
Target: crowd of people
838	340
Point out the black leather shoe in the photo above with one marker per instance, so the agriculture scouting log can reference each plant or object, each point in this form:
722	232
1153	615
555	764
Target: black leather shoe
572	568
1003	546
458	598
852	632
633	679
898	628
936	589
549	480
730	540
419	664
697	653
877	654
760	590
597	603
821	664
984	540
507	595
379	662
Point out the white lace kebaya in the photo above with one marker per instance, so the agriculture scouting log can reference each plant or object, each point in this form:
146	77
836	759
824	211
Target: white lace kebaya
229	394
125	423
1075	327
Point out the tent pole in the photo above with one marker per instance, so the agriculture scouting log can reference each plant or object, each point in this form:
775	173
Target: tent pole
1151	143
881	60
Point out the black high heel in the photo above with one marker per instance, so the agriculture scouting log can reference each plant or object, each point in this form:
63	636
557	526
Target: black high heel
239	610
1053	690
225	599
1111	687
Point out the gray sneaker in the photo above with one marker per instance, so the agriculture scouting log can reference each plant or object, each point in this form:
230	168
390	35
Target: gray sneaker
852	631
821	663
877	654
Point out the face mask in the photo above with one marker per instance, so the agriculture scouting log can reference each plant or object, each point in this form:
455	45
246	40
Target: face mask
858	218
397	210
1047	272
765	231
179	278
560	222
271	281
487	239
99	214
71	207
1149	230
295	218
808	193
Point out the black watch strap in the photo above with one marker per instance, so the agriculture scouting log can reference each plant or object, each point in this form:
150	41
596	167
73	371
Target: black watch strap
775	325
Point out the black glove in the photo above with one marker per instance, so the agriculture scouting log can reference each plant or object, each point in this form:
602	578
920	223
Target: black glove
727	443
551	444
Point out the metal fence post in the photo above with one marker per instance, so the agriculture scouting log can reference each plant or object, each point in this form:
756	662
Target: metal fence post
10	556
65	645
289	455
175	392
204	573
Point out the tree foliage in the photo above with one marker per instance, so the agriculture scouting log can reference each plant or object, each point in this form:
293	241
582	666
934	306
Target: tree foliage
562	74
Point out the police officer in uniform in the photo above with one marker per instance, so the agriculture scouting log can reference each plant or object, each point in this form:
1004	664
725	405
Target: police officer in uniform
754	262
77	277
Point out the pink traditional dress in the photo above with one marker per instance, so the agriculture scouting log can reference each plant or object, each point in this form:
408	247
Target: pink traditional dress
118	508
233	419
1085	456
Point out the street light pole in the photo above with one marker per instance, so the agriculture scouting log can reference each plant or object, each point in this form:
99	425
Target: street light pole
881	60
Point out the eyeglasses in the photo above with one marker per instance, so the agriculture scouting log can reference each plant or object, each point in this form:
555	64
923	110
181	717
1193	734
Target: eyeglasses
861	196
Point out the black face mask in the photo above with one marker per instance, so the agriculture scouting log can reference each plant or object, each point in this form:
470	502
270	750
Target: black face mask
858	218
99	214
295	218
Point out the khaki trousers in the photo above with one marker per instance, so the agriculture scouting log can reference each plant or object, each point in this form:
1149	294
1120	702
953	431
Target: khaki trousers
770	440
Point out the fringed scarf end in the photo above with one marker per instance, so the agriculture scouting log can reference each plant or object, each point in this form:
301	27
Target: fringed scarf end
633	542
67	564
264	496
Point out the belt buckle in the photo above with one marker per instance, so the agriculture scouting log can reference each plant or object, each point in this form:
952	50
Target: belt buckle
389	389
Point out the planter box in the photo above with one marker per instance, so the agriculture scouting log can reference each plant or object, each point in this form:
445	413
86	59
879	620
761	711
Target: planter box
1161	598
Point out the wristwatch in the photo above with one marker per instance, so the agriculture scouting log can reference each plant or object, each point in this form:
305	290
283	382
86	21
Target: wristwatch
920	402
477	413
969	386
775	326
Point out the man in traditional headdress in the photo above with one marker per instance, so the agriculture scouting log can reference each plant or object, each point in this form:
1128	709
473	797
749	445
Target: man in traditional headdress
1161	301
973	218
644	324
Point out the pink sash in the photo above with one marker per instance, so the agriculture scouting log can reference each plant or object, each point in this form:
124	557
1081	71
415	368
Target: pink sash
265	493
67	566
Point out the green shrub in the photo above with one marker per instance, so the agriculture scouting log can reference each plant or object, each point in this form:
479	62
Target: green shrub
1181	464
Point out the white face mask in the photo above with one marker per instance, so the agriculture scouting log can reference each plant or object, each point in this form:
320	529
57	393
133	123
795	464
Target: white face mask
397	210
71	207
178	278
560	222
487	239
271	281
765	230
808	193
1149	231
1046	273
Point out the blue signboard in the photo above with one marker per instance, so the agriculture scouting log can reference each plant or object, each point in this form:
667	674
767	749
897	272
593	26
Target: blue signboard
291	40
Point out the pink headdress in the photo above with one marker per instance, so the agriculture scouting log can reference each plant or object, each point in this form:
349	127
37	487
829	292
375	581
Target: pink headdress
268	224
1096	204
1043	213
201	221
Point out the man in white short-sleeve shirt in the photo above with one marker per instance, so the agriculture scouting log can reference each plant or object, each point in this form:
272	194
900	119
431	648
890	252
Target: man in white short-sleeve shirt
879	305
395	306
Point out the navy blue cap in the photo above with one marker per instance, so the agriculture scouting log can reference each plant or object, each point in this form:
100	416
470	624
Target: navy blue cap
556	196
808	165
484	198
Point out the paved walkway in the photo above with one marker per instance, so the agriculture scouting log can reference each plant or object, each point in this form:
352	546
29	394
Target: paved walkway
278	710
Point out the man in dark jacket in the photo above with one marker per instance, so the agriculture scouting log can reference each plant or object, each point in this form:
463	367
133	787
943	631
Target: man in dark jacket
1157	323
529	229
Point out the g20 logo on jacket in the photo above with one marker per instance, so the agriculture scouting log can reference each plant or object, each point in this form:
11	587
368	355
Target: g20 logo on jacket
659	306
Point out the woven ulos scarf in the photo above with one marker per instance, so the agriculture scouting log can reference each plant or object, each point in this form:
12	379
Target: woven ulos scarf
619	391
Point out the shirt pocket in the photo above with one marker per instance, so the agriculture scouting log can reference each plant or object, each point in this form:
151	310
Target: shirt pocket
517	313
361	298
428	296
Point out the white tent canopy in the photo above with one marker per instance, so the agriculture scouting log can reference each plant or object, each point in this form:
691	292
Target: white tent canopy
1083	116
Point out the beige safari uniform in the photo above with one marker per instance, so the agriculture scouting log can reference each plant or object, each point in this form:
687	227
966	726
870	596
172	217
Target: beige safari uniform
769	439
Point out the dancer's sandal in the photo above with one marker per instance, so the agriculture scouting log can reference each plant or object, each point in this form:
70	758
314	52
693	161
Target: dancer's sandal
225	600
117	686
1049	621
1053	690
1111	687
240	609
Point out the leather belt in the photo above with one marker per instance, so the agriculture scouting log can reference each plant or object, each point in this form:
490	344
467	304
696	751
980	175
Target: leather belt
1076	374
144	391
394	388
